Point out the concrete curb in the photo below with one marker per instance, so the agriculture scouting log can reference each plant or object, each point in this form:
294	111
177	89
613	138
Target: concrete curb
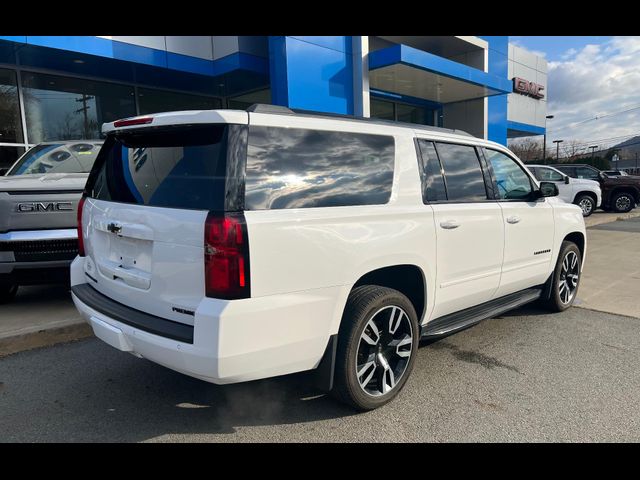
45	337
596	219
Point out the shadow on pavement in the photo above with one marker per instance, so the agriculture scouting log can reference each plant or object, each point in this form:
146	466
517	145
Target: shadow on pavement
87	391
121	398
41	294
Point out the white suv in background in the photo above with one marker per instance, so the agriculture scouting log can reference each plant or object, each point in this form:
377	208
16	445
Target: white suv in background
584	193
238	245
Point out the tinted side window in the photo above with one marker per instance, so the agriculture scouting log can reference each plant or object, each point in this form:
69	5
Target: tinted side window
588	173
301	168
513	182
571	171
433	189
462	172
548	175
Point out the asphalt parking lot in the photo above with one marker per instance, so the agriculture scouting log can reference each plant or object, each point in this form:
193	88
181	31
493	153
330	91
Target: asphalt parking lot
525	376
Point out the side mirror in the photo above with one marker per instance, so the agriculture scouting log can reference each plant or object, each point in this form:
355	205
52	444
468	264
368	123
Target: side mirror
548	189
566	179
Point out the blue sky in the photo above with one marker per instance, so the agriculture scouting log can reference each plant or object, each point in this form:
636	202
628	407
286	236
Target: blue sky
554	48
592	87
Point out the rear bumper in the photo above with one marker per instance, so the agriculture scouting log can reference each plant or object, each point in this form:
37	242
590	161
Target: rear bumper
233	341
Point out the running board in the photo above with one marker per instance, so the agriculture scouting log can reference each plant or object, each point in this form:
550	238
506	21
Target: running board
470	316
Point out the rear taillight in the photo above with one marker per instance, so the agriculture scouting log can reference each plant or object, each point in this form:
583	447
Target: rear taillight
80	239
226	256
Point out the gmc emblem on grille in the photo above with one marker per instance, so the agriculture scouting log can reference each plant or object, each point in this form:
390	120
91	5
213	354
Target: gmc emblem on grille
45	207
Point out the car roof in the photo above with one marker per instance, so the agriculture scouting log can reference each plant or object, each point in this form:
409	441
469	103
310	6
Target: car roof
572	165
242	117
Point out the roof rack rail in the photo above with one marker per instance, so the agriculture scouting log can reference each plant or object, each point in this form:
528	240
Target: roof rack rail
277	109
266	108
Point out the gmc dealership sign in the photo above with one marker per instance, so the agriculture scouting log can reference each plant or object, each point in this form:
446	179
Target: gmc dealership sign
525	87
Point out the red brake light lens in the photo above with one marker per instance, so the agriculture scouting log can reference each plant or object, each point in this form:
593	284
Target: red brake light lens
80	239
133	121
226	257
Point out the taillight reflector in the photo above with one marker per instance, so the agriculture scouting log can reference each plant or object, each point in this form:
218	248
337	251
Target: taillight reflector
80	238
127	122
226	256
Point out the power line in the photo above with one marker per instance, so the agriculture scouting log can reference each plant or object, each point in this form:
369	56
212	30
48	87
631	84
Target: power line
597	117
607	140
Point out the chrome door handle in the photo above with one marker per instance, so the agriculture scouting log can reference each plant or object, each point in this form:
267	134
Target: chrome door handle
513	219
449	224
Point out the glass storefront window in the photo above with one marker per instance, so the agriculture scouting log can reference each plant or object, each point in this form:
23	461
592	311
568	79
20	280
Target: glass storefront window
10	124
381	109
65	108
411	114
401	112
8	155
155	101
244	101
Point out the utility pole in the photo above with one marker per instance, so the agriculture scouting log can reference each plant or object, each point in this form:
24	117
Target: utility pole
558	142
544	144
593	149
85	98
636	163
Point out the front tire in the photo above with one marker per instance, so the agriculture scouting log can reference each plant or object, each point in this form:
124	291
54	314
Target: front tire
566	278
586	203
377	346
623	202
8	292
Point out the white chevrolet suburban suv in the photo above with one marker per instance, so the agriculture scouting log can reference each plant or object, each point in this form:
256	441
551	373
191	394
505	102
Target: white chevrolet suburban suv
238	245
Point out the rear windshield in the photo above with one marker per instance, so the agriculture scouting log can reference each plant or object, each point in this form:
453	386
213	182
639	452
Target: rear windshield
57	158
181	167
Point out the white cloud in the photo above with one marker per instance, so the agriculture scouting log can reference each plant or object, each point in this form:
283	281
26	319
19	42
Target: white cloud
539	53
595	81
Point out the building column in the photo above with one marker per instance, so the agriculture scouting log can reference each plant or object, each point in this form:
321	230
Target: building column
314	73
497	105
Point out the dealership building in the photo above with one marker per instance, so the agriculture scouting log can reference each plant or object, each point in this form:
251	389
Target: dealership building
65	87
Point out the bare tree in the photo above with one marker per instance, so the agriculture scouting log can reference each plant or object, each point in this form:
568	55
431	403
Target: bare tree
68	128
573	149
528	149
9	114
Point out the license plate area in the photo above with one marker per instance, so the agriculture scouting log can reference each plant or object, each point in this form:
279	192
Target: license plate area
124	260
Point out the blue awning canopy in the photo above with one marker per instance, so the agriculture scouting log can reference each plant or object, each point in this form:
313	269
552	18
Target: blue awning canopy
517	129
408	71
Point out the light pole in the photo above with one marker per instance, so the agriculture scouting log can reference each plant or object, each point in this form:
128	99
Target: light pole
593	149
544	144
558	142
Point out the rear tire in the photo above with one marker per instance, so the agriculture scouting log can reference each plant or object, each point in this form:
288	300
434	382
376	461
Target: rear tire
586	203
8	292
566	278
623	202
377	346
